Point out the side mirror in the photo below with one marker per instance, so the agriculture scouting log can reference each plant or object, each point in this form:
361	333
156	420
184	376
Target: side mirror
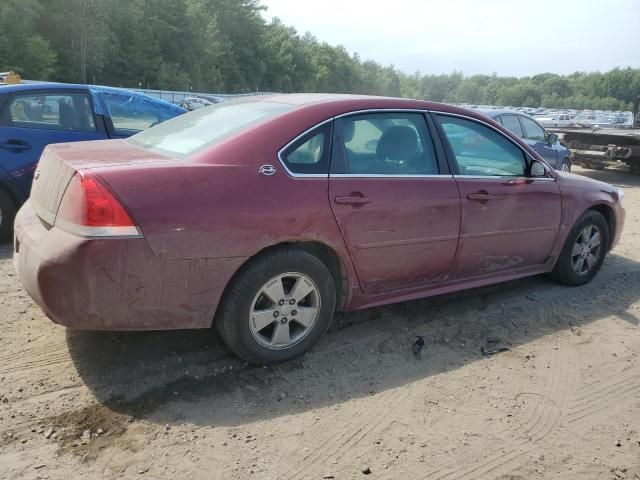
553	138
537	169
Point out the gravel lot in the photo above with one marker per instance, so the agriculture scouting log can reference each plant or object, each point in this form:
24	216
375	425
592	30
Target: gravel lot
563	403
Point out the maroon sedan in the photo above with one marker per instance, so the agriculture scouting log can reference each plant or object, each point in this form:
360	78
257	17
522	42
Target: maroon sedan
266	216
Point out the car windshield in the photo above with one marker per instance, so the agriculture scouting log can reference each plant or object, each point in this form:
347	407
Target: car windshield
202	128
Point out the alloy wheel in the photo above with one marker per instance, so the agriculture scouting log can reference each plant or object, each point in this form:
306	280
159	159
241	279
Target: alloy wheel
586	250
284	311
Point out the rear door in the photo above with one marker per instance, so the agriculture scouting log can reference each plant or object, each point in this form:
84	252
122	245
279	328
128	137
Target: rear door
397	206
509	220
536	136
31	120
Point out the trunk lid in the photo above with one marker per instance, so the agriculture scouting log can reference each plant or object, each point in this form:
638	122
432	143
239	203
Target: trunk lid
60	162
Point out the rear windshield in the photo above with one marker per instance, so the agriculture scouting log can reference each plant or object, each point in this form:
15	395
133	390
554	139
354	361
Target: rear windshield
205	127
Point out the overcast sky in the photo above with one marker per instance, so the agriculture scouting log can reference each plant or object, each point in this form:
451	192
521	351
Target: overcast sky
518	37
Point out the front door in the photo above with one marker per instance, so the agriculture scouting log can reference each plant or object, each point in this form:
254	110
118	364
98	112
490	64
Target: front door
509	220
398	211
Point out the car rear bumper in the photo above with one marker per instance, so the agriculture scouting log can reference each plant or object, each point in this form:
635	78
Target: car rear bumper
114	283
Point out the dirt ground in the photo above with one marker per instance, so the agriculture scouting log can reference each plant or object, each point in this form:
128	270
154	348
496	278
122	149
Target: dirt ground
563	403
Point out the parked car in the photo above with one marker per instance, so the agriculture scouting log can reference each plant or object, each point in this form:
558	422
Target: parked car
557	120
35	115
267	215
546	144
194	103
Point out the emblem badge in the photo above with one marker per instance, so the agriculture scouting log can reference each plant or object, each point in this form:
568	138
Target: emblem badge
267	170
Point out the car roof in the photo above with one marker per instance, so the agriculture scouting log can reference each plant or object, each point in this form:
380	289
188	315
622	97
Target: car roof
337	104
26	87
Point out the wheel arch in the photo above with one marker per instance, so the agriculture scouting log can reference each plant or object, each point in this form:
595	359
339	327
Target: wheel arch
608	213
321	250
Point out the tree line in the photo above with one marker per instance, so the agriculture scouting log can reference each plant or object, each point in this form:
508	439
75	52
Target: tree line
226	46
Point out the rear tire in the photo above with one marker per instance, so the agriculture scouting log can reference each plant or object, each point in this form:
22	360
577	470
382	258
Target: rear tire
7	215
263	330
583	251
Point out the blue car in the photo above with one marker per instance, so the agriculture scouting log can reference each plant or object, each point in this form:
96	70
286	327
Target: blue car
543	142
34	115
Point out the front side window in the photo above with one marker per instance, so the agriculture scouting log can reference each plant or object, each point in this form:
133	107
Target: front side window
533	131
512	124
385	144
480	150
310	154
50	111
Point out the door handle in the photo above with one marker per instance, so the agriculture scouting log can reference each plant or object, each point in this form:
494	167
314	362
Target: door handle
481	196
354	200
15	145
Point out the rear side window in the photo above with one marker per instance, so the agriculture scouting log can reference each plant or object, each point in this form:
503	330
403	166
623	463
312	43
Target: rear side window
480	150
50	111
533	131
309	154
512	124
384	144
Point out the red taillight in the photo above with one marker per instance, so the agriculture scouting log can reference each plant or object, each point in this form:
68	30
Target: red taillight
89	208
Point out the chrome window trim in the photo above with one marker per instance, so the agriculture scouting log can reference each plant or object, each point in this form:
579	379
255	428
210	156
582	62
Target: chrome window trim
505	177
382	175
398	110
281	151
318	125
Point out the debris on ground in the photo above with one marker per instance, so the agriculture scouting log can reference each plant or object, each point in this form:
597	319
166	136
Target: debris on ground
495	345
417	346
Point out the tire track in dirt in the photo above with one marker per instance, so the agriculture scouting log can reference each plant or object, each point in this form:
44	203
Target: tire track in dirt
542	418
352	433
49	360
613	395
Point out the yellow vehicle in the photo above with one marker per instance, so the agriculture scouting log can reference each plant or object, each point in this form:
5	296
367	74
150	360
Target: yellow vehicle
10	78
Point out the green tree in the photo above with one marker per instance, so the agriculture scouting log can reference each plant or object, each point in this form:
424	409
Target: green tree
227	46
21	48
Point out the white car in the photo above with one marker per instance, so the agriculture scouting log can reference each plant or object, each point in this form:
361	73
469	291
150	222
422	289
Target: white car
194	103
562	120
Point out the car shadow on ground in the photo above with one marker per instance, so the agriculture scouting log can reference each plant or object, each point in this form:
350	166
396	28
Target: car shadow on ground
189	376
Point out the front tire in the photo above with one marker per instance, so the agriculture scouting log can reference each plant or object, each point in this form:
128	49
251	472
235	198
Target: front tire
277	307
7	215
583	251
565	166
